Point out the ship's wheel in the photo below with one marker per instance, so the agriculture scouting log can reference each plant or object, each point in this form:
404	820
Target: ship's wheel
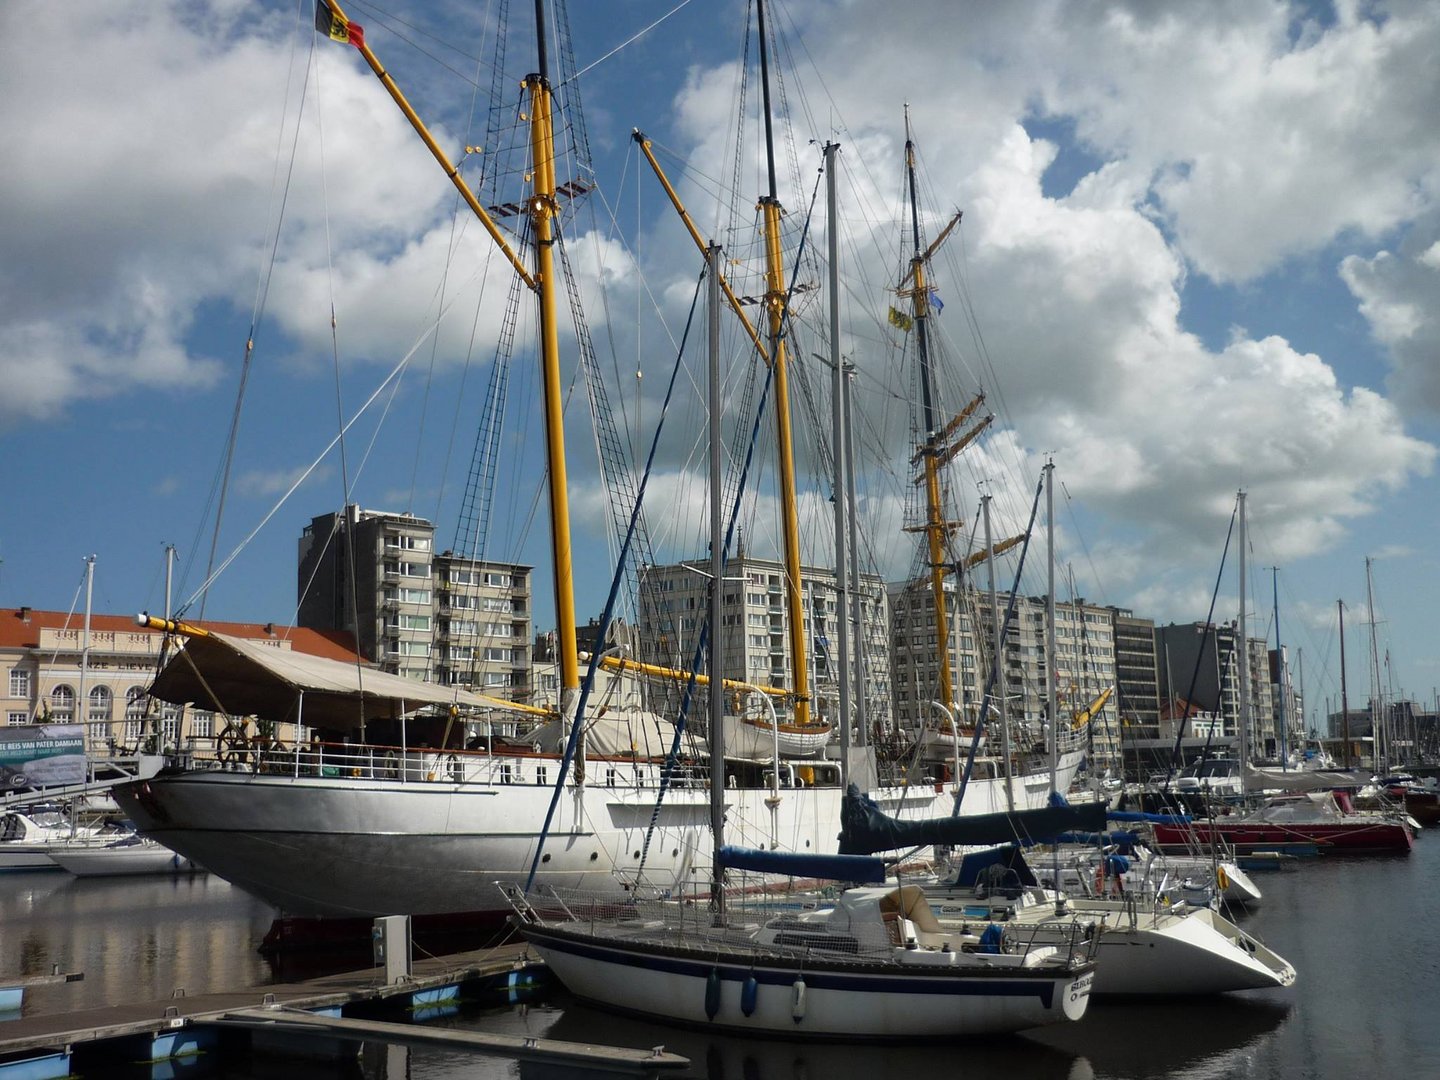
232	745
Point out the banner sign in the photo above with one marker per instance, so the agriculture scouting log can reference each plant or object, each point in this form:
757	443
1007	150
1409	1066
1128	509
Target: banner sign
41	755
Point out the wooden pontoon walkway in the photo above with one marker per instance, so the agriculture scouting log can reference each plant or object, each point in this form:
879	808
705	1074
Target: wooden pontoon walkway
56	1032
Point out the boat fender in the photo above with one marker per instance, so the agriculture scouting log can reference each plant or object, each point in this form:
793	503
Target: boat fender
797	1001
748	993
1221	877
712	993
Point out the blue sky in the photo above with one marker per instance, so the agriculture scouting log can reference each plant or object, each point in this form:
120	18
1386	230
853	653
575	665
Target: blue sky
1201	244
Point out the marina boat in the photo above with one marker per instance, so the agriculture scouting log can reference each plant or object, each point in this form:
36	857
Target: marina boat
1194	878
875	965
130	855
27	840
1318	819
359	826
1146	946
1421	799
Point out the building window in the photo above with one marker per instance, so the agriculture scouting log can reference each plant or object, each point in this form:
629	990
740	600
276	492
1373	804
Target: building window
15	718
19	683
170	725
99	704
202	723
62	704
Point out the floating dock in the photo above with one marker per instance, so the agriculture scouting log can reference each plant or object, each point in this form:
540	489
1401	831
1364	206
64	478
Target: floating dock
324	1017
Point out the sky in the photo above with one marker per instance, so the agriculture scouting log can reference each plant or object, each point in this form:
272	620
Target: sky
1200	253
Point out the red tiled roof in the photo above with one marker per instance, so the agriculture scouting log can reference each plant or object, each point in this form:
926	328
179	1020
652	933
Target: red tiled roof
20	629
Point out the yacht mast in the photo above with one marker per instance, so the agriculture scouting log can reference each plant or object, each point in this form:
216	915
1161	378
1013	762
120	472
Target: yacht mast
1379	728
1052	702
996	647
82	702
717	582
1244	649
1344	693
838	420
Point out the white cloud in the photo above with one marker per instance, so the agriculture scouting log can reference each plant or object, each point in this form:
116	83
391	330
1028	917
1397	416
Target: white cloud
131	201
1397	291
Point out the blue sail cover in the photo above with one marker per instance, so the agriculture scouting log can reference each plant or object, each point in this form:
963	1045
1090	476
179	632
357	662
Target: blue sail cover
857	868
866	829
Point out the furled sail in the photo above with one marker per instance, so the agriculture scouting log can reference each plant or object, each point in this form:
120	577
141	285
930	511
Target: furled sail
865	828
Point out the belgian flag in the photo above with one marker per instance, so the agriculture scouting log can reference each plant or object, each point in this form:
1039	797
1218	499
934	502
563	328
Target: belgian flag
336	26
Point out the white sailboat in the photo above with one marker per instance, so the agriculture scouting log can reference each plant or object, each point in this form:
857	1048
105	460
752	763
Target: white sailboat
126	857
349	829
1148	943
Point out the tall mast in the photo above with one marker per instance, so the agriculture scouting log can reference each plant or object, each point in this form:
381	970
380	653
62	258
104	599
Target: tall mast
717	576
543	212
775	310
1379	731
1344	692
1283	742
1052	697
935	525
1240	631
996	647
857	600
82	704
842	465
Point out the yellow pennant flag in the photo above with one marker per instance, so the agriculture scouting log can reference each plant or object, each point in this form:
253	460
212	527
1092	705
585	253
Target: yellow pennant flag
900	319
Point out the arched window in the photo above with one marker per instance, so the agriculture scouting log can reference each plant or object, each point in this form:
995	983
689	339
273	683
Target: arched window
62	704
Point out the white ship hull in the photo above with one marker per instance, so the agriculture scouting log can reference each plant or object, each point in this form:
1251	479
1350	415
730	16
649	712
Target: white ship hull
317	845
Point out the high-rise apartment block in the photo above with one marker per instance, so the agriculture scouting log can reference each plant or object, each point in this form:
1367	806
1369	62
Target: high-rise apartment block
435	617
755	643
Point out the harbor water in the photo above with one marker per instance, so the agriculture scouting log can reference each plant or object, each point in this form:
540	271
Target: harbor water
1361	931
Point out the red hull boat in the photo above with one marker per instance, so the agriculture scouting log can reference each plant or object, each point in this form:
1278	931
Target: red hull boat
1296	820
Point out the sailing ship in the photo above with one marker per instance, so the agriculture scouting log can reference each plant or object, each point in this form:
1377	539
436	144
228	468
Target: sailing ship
350	828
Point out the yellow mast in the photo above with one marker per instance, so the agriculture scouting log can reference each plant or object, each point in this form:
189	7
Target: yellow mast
936	527
775	299
543	210
937	448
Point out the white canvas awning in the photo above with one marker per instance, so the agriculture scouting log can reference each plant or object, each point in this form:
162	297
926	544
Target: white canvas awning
251	678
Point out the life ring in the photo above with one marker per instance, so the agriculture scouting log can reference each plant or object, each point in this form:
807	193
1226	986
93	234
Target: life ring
1222	878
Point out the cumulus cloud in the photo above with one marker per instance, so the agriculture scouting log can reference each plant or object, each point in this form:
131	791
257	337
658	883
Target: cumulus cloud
1231	140
1396	291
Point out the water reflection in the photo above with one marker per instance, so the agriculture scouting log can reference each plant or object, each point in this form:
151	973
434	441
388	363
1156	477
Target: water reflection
1116	1041
135	939
1201	1037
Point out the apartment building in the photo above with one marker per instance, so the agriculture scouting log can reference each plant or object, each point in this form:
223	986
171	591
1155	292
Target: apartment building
426	615
754	635
1085	661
